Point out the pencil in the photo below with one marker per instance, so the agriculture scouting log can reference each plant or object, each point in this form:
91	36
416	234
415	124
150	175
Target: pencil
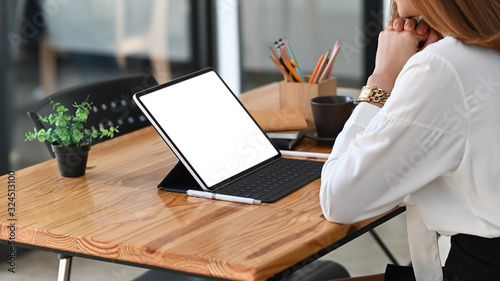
316	69
321	67
281	69
292	70
287	60
274	54
281	62
336	53
328	68
292	55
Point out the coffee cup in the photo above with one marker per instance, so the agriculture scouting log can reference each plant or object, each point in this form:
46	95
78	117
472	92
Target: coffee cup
330	114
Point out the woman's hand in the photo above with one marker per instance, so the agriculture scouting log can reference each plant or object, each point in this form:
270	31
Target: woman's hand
400	24
421	28
400	41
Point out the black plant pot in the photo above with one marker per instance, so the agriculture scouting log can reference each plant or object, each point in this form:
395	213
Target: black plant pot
72	160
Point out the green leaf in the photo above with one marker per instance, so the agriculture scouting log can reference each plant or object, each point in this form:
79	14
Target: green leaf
82	116
52	118
43	119
60	122
78	126
66	142
77	135
61	108
29	136
64	135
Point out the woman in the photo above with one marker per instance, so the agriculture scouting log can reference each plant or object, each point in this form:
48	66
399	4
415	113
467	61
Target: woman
434	146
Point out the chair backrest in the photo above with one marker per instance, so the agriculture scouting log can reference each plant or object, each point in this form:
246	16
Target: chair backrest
112	104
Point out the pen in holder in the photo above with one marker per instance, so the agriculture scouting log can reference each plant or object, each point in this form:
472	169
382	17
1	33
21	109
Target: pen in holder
299	95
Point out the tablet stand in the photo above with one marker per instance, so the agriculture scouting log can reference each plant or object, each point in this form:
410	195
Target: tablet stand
179	179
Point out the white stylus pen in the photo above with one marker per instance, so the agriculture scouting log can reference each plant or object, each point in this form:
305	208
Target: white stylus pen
210	195
305	154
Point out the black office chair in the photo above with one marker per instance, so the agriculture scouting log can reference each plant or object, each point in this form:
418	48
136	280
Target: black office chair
112	104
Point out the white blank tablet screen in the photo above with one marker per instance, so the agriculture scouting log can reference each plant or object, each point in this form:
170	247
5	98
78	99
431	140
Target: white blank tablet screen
209	127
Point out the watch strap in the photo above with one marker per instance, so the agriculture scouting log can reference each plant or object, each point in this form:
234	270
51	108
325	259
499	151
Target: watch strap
373	94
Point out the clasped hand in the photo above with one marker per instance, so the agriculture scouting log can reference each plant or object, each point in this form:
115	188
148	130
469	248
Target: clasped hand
401	39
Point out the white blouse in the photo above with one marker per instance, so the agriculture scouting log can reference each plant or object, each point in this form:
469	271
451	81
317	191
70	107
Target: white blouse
435	145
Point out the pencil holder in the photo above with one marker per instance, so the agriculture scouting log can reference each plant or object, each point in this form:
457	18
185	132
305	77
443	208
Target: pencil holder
299	95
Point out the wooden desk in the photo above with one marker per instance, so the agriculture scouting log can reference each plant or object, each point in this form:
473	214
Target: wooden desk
115	213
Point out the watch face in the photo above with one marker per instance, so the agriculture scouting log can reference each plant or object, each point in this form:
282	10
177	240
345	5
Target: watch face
365	93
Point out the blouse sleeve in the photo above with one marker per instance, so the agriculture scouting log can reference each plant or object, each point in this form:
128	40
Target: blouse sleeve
383	155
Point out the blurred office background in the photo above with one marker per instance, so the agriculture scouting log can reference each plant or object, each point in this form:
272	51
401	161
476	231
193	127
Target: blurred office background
49	45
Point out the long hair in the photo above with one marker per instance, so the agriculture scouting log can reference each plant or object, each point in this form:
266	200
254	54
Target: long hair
475	22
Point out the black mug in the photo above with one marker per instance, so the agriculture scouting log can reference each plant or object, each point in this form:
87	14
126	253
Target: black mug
330	114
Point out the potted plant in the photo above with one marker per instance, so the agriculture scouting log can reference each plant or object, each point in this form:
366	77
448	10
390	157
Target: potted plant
70	141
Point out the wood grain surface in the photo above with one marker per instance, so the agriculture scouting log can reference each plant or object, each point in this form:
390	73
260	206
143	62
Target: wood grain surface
115	212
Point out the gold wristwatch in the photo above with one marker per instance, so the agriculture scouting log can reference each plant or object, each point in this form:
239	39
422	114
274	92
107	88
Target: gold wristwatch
373	94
